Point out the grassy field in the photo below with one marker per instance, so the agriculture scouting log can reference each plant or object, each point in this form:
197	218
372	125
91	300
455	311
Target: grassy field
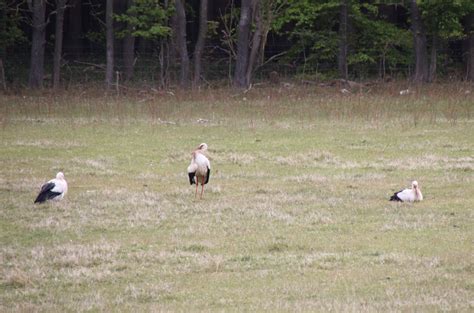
296	216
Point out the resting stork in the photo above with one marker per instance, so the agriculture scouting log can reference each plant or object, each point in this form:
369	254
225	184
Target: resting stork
408	195
200	168
55	189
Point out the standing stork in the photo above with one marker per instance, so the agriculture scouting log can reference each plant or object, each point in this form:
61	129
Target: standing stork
200	168
55	189
408	195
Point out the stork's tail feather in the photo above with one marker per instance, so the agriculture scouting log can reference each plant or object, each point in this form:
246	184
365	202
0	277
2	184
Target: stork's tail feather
395	198
41	198
46	195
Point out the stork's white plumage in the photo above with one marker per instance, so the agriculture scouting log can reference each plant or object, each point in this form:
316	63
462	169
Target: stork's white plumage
55	189
408	195
200	168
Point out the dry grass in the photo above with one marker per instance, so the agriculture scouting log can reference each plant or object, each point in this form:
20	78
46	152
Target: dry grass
295	217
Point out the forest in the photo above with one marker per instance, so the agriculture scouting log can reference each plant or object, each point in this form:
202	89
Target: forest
194	43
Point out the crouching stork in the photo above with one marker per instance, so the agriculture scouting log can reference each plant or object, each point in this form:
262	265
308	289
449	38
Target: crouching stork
55	189
408	195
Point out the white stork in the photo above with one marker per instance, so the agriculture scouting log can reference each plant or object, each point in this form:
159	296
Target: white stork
55	189
200	168
408	195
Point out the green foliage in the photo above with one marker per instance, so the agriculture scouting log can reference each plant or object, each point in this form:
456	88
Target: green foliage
326	45
375	39
467	6
313	25
212	28
310	25
10	32
443	18
148	18
96	37
304	14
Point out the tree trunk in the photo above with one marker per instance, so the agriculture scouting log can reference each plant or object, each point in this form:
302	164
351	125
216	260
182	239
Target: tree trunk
173	39
200	41
3	25
243	33
58	41
433	59
382	68
263	14
343	42
162	59
181	43
128	49
419	39
74	36
3	82
470	47
256	40
109	22
166	54
37	44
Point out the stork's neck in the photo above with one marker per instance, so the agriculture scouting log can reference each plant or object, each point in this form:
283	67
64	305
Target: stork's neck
417	194
196	152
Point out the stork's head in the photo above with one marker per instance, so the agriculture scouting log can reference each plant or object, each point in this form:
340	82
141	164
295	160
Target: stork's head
414	184
202	147
60	175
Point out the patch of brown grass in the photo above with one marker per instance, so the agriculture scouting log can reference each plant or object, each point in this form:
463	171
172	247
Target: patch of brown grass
16	278
379	102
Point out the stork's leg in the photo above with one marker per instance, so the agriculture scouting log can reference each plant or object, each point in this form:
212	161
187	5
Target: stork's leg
202	186
197	184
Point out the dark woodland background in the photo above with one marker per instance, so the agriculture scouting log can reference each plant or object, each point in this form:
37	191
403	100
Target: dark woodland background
194	43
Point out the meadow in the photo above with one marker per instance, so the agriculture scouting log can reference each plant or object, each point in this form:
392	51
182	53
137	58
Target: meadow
295	218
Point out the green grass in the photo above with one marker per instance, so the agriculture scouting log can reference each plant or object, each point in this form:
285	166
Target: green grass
296	216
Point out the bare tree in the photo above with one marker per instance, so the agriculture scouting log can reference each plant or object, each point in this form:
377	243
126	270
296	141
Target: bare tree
128	46
58	41
260	13
256	39
38	7
3	82
433	59
181	43
109	22
228	40
264	11
3	25
243	35
419	40
470	47
200	41
167	48
343	40
74	40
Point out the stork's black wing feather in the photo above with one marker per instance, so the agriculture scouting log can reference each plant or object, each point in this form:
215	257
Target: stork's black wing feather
46	193
395	196
47	187
191	178
207	176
